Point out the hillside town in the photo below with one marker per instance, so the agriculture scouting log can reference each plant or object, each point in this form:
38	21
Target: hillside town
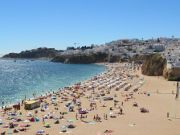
169	48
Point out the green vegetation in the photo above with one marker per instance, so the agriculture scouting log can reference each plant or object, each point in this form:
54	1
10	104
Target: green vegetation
80	48
35	53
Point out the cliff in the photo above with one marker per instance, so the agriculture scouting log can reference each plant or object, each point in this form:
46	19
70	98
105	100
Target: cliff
139	59
153	65
81	58
172	74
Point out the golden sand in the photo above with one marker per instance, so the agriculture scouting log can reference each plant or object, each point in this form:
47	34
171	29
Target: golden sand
155	95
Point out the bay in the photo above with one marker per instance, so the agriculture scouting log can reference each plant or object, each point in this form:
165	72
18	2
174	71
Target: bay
22	78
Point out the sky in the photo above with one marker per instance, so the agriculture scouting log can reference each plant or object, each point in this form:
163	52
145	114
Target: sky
28	24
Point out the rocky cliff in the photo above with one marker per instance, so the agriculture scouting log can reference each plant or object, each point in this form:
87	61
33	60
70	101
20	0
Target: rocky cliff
172	74
81	59
154	65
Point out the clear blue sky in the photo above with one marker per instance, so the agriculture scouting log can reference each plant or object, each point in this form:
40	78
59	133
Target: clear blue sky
27	24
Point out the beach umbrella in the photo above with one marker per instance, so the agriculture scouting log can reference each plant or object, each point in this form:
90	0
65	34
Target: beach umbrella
1	122
56	122
22	129
71	126
40	132
29	114
26	121
23	125
53	97
47	125
63	128
36	119
45	117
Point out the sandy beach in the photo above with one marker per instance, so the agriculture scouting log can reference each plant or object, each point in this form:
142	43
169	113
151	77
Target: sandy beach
120	101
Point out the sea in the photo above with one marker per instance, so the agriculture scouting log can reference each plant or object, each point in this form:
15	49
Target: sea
20	79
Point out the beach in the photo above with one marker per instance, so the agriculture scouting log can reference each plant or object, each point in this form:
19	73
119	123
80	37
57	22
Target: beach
118	101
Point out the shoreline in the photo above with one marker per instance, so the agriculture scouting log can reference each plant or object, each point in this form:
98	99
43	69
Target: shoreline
47	93
119	101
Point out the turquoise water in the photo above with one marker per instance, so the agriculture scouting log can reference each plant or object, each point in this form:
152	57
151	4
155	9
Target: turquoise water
23	78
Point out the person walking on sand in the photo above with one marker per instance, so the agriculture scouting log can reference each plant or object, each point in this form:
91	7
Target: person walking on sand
94	118
121	111
43	121
76	116
106	116
81	117
97	117
114	104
